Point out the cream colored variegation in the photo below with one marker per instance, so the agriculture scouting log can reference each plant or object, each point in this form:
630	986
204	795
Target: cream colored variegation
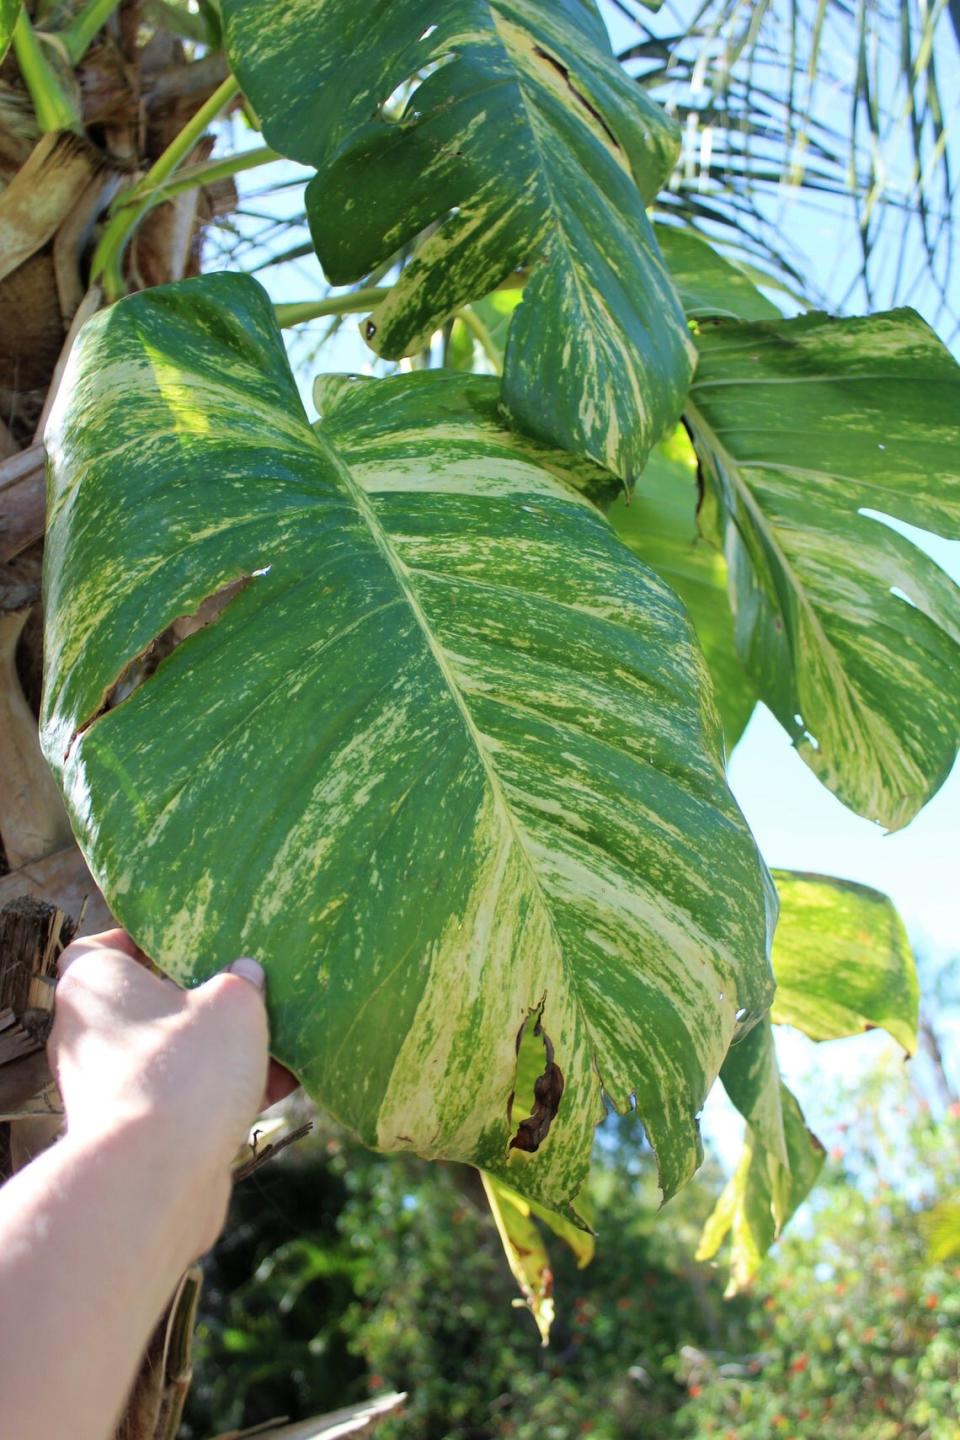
778	1167
819	438
476	137
843	961
843	964
444	758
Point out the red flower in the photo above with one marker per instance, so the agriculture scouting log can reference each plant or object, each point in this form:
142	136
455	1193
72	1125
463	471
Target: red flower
798	1366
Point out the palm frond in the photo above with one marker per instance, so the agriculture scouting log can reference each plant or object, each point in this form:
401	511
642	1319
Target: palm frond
781	101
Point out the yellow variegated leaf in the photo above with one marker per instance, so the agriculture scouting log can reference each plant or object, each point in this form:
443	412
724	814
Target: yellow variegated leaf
762	1195
386	704
526	1250
503	133
842	961
817	438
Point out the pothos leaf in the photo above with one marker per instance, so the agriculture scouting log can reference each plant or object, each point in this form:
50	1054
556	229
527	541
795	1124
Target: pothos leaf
444	758
659	523
779	1166
762	1195
813	433
506	134
842	961
752	1080
843	964
526	1250
709	285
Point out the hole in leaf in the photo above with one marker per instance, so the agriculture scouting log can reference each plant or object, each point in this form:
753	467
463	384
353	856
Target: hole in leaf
398	105
138	670
539	1086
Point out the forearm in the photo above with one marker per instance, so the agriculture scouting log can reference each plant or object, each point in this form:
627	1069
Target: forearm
93	1238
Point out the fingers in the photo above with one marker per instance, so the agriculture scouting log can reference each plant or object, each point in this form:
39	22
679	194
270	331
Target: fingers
106	940
280	1081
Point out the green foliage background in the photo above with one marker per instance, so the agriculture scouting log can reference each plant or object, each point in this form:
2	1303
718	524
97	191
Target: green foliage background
343	1274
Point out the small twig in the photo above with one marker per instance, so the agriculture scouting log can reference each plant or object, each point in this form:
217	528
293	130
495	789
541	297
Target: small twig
268	1153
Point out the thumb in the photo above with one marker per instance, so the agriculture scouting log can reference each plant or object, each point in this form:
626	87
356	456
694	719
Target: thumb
249	970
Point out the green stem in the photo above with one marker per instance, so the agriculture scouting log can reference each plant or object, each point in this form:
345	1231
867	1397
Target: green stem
354	303
481	334
53	108
84	26
193	176
108	255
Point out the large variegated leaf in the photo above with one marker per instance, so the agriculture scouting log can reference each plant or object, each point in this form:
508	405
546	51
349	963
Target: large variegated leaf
762	1194
659	523
521	142
751	1077
778	1168
843	964
842	961
811	431
445	758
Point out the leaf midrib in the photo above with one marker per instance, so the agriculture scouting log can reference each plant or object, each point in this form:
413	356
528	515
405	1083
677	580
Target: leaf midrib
401	574
732	466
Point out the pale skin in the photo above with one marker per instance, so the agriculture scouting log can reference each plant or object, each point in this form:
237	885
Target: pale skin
160	1086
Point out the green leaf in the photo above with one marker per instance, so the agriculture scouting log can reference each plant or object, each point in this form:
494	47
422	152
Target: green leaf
709	285
505	134
659	523
780	1162
526	1250
751	1078
842	961
761	1196
940	1226
810	432
443	757
843	964
9	10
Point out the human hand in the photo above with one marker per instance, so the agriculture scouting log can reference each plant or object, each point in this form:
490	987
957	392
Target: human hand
188	1067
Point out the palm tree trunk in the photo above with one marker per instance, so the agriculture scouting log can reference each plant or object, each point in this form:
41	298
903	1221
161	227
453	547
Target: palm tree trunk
134	97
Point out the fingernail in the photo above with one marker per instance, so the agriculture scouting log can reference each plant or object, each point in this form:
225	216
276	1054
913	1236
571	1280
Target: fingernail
250	970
